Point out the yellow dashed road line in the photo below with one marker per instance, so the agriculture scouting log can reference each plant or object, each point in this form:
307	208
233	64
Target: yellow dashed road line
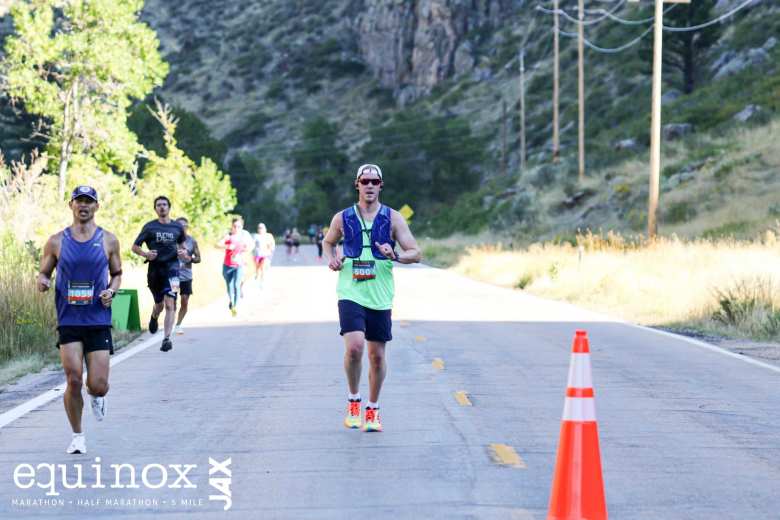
462	397
420	338
506	456
438	363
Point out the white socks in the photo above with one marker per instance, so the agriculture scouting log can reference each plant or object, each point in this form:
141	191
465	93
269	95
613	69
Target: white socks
356	397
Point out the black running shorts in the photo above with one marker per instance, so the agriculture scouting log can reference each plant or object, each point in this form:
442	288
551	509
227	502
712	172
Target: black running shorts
377	325
91	337
185	287
158	280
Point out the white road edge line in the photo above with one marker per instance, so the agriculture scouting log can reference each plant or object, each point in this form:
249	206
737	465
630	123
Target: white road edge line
36	402
708	346
610	319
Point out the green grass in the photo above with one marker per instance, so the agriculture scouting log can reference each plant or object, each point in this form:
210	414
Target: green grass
729	229
748	309
441	255
27	317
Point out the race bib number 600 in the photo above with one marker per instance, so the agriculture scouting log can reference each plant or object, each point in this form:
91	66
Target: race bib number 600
363	270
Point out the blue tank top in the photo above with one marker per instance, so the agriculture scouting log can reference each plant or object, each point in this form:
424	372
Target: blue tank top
82	274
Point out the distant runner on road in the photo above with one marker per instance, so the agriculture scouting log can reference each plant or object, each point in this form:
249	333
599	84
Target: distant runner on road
296	241
319	236
263	251
189	254
84	255
365	286
235	245
162	237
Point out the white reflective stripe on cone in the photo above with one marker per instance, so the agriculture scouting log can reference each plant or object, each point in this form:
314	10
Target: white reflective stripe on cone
579	409
579	371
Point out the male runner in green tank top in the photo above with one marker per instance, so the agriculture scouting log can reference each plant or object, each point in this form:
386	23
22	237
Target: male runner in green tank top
365	286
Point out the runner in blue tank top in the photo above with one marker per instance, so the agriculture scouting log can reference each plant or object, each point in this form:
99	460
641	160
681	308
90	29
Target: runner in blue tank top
84	255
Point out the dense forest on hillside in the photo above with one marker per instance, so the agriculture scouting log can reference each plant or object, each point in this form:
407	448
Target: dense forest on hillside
289	97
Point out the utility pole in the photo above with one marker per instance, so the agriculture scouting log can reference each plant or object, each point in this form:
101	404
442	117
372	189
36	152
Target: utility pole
655	124
581	81
503	138
556	144
522	110
655	121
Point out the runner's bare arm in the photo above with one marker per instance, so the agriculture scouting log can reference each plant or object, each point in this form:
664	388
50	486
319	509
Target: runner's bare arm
330	243
48	261
195	258
411	253
114	268
149	255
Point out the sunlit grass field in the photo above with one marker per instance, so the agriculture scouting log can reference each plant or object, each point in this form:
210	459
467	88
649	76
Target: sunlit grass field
721	286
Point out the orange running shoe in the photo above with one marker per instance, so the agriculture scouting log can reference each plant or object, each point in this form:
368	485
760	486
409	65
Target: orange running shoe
352	420
372	422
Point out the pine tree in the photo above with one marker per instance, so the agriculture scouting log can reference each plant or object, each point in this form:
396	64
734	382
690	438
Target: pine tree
686	51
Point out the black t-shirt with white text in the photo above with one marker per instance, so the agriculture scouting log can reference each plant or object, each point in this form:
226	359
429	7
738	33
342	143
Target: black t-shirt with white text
163	238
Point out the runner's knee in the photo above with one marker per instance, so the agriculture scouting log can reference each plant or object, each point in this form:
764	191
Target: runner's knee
98	387
355	350
74	381
376	357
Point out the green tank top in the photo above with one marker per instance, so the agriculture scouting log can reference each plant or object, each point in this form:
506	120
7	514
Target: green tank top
375	293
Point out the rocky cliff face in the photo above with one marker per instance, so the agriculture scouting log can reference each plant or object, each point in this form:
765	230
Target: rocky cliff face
410	46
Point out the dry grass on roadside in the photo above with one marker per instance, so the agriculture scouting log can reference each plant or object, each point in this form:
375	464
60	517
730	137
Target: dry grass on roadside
723	286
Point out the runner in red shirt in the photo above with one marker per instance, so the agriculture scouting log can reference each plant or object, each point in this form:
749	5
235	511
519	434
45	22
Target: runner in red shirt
236	246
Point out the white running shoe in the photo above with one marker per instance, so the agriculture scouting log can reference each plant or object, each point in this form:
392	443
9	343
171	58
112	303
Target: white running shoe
78	444
179	330
99	407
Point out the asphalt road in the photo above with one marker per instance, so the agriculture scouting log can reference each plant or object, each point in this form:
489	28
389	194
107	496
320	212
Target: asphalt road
685	432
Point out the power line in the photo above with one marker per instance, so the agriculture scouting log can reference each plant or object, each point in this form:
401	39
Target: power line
607	14
576	20
612	16
613	50
712	22
636	22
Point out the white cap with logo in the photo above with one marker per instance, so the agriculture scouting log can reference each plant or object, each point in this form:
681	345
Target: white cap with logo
369	168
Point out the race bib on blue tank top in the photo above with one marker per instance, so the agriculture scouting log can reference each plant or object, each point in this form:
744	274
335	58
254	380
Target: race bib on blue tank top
80	293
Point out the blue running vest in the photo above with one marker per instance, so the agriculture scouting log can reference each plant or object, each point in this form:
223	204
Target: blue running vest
354	227
82	274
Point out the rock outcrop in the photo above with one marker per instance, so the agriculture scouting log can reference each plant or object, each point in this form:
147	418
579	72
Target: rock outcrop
417	44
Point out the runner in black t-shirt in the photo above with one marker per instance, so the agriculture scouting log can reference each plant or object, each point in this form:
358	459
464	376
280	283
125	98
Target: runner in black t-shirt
162	238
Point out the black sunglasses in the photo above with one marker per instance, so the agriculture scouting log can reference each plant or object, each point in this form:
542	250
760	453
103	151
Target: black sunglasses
366	182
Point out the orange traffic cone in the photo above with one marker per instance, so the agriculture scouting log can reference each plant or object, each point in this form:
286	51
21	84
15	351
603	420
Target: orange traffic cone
578	488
